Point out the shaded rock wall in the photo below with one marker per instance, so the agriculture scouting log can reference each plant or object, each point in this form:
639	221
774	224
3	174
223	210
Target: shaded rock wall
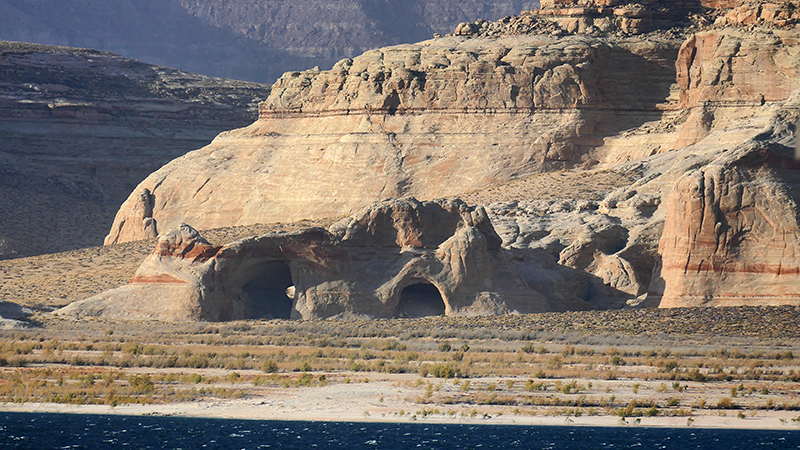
81	128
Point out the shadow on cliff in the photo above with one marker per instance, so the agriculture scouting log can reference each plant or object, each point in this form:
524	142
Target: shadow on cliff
566	288
629	90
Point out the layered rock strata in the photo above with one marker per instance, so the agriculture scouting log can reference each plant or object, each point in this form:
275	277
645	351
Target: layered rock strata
732	230
430	120
80	128
400	258
706	132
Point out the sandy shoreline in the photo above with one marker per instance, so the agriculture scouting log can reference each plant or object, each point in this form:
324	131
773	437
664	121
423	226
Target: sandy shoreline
384	401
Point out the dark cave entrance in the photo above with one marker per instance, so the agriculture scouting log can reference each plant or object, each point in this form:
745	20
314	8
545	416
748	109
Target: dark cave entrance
268	292
420	300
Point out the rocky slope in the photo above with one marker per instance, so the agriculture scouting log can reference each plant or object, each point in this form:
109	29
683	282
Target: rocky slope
241	39
81	128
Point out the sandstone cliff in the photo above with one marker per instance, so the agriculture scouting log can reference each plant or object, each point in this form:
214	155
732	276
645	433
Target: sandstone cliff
705	133
80	128
431	119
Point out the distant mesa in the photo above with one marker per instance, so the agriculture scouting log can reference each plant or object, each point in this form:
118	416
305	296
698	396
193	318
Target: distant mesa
240	39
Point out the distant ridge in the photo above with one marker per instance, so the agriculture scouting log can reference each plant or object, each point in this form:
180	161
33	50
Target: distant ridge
80	128
239	39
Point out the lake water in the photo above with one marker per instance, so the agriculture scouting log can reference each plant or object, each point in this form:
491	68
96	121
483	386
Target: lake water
83	431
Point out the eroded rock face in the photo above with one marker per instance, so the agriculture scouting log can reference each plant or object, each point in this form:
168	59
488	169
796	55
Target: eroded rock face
628	17
722	74
785	13
732	235
708	217
400	258
430	120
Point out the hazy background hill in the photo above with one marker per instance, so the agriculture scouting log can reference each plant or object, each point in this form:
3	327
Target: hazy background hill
80	129
254	40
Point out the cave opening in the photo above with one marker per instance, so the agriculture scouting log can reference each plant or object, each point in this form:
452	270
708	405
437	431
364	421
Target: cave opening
420	300
271	292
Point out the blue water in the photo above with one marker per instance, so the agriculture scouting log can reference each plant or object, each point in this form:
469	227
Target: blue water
78	431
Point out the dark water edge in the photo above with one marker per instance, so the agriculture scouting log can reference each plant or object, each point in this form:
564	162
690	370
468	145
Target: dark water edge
86	431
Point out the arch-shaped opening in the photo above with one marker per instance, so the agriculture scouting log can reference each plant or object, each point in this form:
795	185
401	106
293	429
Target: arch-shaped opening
420	300
270	291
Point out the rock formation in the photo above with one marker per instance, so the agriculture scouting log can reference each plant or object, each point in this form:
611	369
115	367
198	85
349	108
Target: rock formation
400	258
705	132
429	120
80	128
732	234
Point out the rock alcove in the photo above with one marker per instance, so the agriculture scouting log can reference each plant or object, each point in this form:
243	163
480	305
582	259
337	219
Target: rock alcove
271	291
421	299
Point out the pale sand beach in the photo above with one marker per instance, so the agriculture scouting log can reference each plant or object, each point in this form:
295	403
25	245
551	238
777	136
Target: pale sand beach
387	400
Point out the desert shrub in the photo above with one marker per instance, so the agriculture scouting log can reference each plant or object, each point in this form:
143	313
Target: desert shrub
695	375
570	387
142	384
269	366
670	366
529	348
306	380
617	360
423	370
532	385
446	371
726	403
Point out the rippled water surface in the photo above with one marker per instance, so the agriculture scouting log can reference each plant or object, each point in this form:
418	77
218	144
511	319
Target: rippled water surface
77	431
